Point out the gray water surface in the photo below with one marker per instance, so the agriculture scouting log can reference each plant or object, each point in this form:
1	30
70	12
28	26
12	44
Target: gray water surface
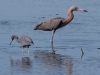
19	17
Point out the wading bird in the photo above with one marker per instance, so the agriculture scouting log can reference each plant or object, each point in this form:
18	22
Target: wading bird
56	23
25	41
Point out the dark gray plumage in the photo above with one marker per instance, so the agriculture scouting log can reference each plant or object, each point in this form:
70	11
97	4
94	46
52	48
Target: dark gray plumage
25	41
56	23
49	25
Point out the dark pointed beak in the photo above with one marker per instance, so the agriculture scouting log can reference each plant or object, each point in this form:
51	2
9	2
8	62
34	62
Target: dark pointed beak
85	11
79	9
11	42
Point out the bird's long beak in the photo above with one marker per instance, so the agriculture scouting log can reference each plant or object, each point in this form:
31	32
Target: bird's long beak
85	11
11	42
81	10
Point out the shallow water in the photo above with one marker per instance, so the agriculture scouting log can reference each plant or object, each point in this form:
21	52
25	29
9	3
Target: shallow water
19	17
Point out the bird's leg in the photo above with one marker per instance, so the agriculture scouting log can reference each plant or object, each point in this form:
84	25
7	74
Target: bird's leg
28	51
22	51
51	41
53	31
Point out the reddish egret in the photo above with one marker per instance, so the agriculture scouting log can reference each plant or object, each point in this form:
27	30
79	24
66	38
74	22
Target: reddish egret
25	41
56	23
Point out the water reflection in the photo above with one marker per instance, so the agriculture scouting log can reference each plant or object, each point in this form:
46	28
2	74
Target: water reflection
26	61
54	63
23	65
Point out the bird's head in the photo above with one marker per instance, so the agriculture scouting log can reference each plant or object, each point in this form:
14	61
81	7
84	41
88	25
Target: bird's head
12	38
75	8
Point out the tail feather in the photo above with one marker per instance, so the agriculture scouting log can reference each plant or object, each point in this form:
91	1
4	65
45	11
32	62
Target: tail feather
32	42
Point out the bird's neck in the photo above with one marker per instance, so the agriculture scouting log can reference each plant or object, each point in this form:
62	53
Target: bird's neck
70	17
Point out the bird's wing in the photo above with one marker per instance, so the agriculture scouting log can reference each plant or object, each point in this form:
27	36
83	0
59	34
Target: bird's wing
50	24
25	40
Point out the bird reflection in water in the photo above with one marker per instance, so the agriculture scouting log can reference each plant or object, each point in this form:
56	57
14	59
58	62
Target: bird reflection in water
23	65
26	61
54	63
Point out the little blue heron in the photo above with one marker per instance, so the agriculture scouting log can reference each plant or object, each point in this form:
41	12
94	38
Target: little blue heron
25	41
